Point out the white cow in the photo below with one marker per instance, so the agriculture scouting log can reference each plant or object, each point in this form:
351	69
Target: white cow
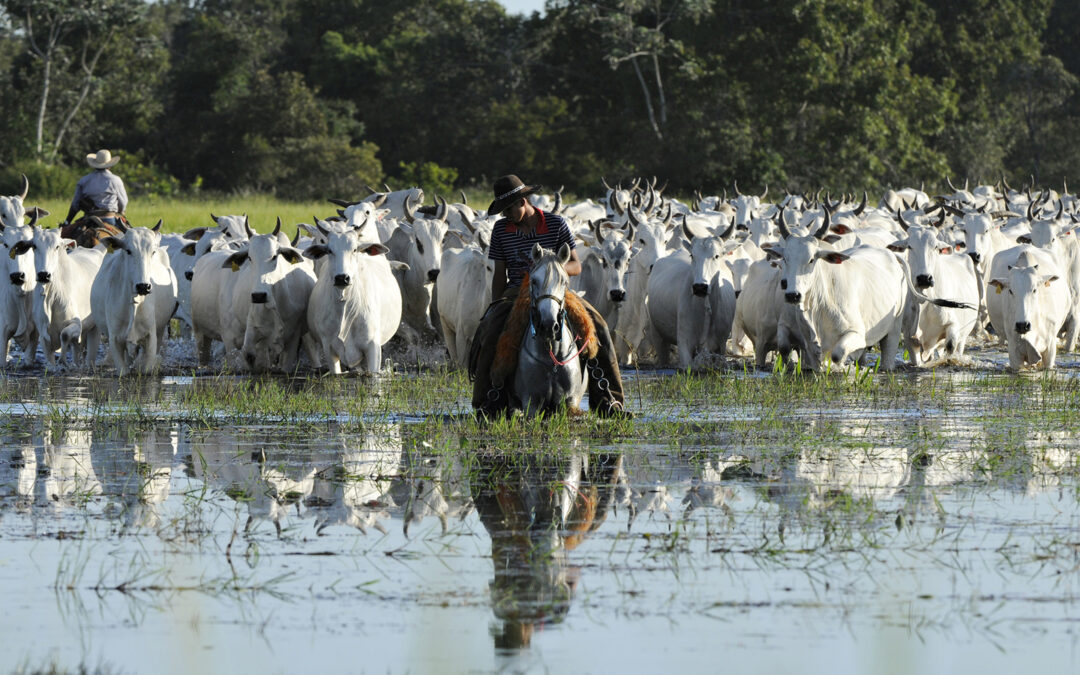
1057	236
17	288
1028	301
651	239
937	271
267	300
603	271
209	276
186	249
691	299
132	299
463	290
63	286
355	307
419	244
758	309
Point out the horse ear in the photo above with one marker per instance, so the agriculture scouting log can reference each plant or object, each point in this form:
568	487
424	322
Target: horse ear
564	254
537	252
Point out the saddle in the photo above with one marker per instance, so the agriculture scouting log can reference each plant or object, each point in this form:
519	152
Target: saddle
509	345
90	230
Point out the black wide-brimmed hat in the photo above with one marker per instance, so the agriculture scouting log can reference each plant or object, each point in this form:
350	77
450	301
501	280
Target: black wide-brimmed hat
509	189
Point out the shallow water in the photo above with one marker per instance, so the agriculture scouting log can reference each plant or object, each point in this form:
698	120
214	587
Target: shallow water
907	534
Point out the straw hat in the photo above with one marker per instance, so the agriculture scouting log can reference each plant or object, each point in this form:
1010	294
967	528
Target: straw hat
509	189
103	159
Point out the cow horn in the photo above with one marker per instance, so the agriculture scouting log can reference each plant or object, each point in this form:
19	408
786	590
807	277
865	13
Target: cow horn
33	217
325	232
736	184
25	187
630	231
667	218
342	203
729	231
410	211
371	189
277	227
649	207
156	228
1031	210
296	239
941	220
440	211
900	219
558	201
636	184
1064	186
387	187
762	197
1005	183
213	218
948	179
464	198
604	181
781	225
247	228
598	230
1061	209
826	223
859	209
632	218
663	187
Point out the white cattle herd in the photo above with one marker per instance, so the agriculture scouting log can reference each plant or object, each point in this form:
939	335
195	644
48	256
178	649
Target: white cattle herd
804	277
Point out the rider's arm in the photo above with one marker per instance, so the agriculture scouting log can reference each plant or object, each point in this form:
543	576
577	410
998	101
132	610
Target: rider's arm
498	280
122	198
573	265
74	210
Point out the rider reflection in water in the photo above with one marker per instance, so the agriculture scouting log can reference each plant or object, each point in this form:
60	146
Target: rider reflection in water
512	239
536	509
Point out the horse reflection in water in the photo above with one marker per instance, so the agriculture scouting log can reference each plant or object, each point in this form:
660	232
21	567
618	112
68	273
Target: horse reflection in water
537	508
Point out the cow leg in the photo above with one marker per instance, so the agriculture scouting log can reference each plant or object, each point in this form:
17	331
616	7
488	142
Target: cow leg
46	348
1016	360
333	363
450	338
374	357
118	349
1049	355
148	357
312	349
1072	330
202	346
849	342
5	337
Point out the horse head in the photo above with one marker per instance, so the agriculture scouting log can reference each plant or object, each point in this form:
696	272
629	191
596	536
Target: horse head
548	283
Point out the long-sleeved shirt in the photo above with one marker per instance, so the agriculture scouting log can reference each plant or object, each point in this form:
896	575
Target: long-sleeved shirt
105	188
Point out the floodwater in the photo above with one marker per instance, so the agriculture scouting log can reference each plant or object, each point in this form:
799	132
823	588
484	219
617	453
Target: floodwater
939	537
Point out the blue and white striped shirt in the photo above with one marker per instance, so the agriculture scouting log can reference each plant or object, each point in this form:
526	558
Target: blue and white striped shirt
512	247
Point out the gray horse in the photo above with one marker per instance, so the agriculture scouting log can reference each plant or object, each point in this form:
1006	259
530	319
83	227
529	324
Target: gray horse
549	373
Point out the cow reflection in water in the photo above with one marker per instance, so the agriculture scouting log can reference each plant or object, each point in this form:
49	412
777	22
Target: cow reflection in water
145	486
536	509
354	488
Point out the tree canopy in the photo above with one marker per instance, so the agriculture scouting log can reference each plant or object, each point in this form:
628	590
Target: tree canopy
306	99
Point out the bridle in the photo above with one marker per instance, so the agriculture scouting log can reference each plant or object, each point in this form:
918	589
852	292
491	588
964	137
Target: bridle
561	321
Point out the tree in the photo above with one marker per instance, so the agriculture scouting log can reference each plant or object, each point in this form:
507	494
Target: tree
59	33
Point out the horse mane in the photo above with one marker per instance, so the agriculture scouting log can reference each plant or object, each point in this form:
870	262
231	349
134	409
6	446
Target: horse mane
509	345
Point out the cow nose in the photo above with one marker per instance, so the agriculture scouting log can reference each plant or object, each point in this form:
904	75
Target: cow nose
142	289
259	298
1023	327
793	298
924	281
44	277
432	275
617	296
188	274
700	290
18	278
975	257
342	280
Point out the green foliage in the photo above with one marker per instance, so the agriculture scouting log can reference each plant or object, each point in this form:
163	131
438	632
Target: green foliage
433	178
46	180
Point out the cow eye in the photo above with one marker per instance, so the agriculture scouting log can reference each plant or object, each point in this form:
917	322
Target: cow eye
128	251
419	247
604	263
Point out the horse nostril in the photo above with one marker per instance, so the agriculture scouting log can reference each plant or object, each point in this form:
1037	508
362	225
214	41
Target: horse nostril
142	289
617	296
44	277
700	290
342	280
432	275
258	298
18	278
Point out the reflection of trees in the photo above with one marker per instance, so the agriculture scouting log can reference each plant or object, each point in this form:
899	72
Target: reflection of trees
536	508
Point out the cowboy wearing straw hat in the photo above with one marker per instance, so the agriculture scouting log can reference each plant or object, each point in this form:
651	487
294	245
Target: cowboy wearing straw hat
521	226
100	193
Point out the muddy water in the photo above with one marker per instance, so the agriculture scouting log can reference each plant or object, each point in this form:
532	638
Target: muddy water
899	538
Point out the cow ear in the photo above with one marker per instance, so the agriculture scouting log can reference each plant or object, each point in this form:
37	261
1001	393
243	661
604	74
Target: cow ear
1046	280
234	261
900	245
375	249
291	254
840	229
998	284
69	243
831	238
188	249
958	245
195	233
114	244
832	257
316	251
945	250
1023	239
398	266
774	252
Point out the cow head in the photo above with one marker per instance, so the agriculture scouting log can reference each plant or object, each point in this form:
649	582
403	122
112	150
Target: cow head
48	247
977	228
270	261
707	253
12	209
922	245
614	251
18	241
799	256
347	254
1023	283
143	260
425	253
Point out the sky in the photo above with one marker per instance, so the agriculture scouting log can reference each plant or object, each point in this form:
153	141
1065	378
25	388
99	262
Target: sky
523	6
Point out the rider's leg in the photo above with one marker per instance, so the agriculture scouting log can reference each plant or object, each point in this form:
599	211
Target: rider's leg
606	391
486	398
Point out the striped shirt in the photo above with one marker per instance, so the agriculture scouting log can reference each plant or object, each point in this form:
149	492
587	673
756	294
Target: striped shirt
512	247
105	188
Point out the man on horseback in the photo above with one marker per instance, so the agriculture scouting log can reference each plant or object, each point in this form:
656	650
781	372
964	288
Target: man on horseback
100	194
512	239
